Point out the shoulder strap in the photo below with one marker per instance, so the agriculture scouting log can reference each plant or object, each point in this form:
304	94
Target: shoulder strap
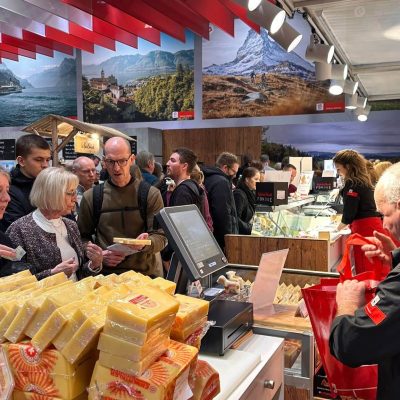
143	192
98	191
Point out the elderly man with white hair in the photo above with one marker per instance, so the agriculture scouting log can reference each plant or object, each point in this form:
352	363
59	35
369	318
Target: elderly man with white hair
85	169
369	333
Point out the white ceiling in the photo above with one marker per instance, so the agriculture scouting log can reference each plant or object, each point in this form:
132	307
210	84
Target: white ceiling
366	36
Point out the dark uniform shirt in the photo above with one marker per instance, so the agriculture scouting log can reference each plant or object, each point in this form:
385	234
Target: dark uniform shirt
358	202
372	335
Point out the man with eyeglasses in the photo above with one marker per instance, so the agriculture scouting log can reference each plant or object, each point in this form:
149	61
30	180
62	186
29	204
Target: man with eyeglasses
84	168
218	182
120	216
33	155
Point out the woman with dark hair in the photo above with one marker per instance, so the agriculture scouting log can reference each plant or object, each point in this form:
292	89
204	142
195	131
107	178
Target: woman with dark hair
359	209
245	199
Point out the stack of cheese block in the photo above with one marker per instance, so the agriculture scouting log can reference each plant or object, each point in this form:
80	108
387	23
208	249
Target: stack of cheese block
190	320
288	294
50	332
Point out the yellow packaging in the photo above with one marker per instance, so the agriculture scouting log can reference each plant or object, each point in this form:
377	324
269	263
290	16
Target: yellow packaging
16	282
182	334
48	373
205	384
130	351
163	380
191	310
143	308
18	395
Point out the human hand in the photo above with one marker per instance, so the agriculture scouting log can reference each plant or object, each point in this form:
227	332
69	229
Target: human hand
139	247
8	252
68	267
381	248
94	254
350	295
112	258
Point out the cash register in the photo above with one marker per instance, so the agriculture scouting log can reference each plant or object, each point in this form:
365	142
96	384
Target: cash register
197	255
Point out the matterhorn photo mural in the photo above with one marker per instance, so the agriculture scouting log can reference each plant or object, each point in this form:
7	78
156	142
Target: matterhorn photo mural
251	75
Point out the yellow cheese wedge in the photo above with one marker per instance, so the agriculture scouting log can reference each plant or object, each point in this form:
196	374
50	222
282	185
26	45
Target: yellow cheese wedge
132	336
164	284
85	339
191	310
18	275
128	366
16	282
143	308
56	300
94	307
130	351
28	309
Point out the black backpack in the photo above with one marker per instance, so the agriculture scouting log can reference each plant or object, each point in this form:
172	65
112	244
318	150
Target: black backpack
143	191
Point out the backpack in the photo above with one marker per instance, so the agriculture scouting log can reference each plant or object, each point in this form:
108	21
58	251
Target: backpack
143	191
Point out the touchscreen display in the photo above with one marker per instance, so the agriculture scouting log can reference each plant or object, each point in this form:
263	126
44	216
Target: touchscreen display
195	234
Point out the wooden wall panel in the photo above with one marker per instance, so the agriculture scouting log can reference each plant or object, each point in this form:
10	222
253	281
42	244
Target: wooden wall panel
307	254
209	143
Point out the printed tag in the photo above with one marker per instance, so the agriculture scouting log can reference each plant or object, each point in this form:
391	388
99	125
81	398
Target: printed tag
375	313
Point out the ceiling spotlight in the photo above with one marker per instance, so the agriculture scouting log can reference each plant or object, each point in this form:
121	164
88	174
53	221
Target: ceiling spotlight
351	101
287	37
362	113
268	16
323	71
339	71
319	52
336	87
350	87
361	102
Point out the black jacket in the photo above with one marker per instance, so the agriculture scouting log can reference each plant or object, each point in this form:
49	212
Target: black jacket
222	203
19	204
357	340
358	202
245	200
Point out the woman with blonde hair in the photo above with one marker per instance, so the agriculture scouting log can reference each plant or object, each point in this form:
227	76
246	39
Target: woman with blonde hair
53	243
381	167
359	209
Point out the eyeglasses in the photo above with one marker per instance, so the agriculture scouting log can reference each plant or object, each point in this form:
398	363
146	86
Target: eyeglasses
232	170
71	193
121	163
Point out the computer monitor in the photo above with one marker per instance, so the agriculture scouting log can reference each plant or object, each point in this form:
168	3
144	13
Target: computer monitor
195	247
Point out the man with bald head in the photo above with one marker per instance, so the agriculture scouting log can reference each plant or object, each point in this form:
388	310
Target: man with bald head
120	216
85	170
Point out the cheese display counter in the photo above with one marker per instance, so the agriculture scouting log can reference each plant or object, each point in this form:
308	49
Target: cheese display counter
300	226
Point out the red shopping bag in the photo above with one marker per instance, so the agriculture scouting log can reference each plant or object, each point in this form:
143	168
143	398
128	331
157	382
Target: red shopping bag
377	269
361	382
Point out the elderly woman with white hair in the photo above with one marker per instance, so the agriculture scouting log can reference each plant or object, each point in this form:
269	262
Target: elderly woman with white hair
53	243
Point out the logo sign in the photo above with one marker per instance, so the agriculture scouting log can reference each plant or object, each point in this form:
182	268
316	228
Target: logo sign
86	144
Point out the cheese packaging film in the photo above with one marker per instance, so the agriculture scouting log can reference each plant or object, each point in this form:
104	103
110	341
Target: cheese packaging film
53	301
16	282
143	308
18	395
130	351
164	284
48	373
166	379
183	333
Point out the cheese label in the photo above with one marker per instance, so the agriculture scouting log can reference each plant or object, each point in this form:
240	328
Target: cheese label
143	301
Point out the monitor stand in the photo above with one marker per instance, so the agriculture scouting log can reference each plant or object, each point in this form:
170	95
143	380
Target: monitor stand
178	275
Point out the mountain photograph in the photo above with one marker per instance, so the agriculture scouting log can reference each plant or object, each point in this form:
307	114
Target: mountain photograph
128	86
261	79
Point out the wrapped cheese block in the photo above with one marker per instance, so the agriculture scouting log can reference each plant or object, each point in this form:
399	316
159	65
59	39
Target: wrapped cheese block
166	379
16	281
139	338
29	308
143	308
54	301
59	318
182	334
48	373
205	384
96	306
164	284
190	311
122	348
